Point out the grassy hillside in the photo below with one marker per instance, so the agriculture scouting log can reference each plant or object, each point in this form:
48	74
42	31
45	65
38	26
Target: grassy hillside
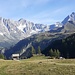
38	66
65	46
43	40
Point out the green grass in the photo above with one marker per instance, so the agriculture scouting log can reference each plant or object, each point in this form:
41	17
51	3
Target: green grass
37	57
38	66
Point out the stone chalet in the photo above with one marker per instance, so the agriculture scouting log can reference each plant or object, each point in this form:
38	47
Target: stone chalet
15	56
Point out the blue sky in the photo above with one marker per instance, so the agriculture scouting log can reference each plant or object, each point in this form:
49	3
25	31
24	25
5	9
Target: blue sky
37	11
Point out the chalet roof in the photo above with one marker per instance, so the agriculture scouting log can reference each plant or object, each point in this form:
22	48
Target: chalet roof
13	55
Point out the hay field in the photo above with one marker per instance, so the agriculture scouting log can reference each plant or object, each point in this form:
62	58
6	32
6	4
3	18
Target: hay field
38	66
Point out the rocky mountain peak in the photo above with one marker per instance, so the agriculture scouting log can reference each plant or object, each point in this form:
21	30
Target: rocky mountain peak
70	17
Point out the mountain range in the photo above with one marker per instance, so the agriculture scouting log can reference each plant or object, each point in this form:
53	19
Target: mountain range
14	32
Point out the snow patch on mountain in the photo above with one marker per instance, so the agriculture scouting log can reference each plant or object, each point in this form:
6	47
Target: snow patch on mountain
21	27
1	33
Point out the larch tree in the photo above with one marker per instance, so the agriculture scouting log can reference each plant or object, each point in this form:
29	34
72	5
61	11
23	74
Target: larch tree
39	50
33	51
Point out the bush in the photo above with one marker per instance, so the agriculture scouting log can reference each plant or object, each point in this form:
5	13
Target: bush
2	56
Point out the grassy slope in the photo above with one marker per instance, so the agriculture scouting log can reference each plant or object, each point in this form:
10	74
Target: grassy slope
38	66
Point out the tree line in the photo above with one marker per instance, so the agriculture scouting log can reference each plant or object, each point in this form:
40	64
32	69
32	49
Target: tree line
33	51
54	53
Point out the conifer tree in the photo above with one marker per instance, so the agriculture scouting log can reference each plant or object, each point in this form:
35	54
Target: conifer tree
55	53
58	53
51	52
2	56
39	51
33	51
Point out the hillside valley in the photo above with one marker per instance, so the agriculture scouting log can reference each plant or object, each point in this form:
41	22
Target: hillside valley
19	36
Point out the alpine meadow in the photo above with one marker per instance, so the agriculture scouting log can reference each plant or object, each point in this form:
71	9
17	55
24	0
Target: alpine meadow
37	37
